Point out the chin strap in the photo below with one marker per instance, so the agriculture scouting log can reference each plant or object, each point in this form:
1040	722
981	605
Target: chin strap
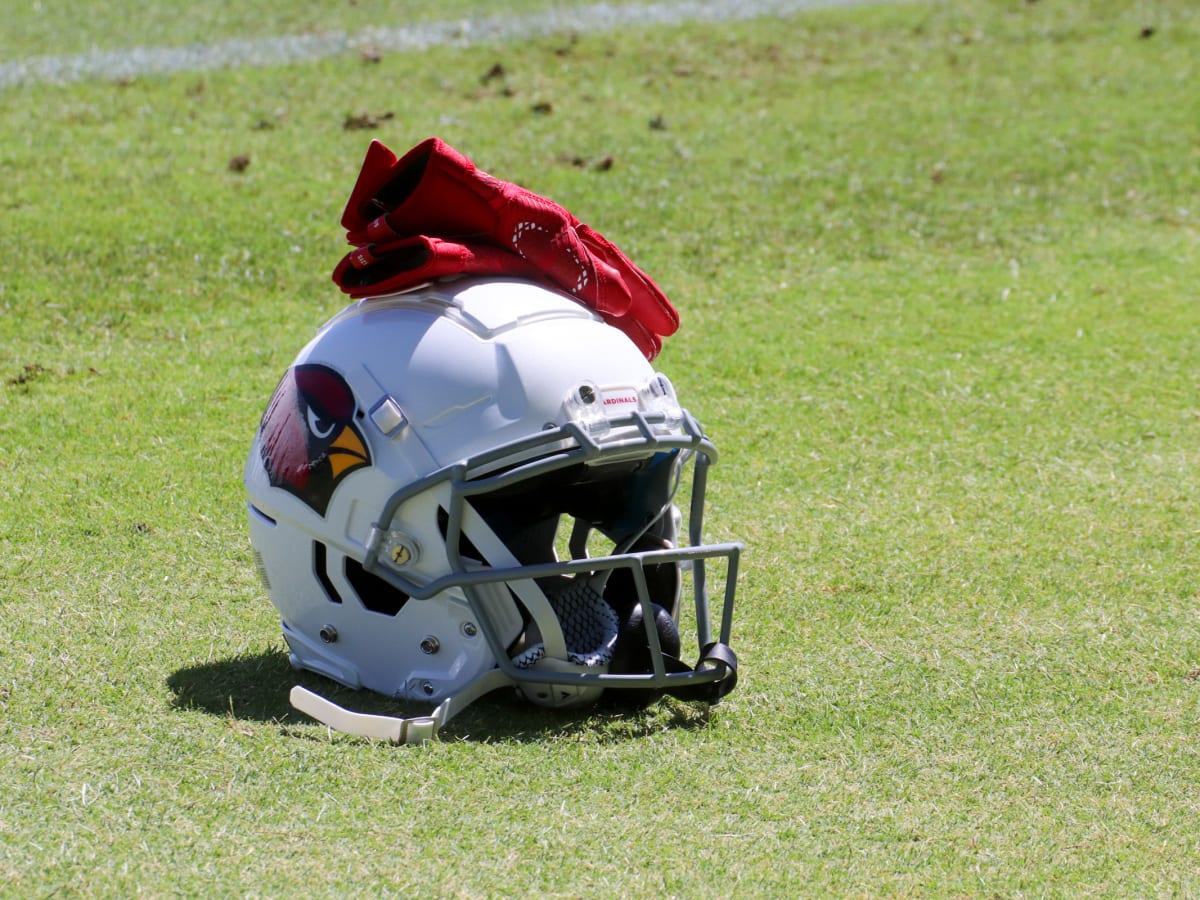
414	730
714	656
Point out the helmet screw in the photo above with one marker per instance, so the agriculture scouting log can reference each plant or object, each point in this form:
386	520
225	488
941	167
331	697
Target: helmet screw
328	634
401	549
427	687
470	629
587	393
430	645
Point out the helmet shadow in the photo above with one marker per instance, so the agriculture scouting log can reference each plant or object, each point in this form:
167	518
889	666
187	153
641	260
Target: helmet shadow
255	686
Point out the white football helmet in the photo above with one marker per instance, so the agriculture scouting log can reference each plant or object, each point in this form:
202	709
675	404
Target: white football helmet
410	488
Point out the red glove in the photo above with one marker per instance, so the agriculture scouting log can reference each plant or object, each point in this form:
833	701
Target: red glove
434	191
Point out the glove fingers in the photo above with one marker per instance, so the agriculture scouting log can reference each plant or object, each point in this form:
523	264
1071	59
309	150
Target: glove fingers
648	303
646	340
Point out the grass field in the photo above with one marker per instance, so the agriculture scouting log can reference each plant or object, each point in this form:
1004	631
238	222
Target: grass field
57	27
938	268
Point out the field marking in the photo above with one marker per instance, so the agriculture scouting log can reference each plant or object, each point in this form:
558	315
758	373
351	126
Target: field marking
282	50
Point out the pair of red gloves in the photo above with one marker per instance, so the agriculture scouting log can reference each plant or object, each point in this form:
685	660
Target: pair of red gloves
431	213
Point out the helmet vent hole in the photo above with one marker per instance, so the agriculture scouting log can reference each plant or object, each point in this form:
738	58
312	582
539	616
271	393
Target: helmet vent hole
373	592
319	569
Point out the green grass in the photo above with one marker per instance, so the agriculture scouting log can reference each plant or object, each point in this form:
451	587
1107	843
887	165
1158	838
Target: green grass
938	270
59	27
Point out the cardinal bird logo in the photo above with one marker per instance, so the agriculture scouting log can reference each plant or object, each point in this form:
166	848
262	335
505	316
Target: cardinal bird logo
308	439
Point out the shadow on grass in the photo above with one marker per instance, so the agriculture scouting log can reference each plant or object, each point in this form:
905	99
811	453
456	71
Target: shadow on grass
255	687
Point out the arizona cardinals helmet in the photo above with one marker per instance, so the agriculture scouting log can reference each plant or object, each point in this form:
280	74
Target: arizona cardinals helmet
479	483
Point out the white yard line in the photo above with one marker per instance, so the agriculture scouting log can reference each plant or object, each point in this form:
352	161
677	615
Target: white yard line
272	51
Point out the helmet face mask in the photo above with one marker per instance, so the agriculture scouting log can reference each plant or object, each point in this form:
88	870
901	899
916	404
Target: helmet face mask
480	483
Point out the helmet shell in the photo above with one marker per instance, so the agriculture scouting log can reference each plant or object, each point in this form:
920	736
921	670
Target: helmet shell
434	377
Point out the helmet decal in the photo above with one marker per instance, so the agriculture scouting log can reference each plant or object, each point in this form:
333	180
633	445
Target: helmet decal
309	442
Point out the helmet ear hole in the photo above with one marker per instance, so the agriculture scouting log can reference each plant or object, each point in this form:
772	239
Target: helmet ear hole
631	655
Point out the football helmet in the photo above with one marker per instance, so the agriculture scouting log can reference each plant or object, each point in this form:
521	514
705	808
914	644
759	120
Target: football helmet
480	483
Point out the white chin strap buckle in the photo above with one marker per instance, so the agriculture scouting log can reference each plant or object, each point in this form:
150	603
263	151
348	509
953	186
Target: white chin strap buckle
414	730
